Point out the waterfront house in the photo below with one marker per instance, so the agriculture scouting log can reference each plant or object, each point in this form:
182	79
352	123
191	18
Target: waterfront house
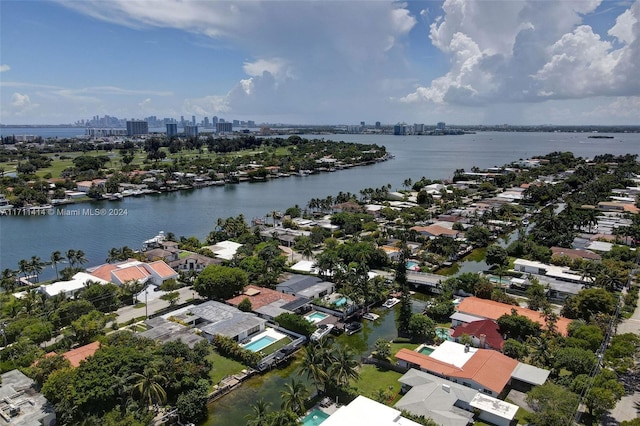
224	249
69	288
473	309
433	231
86	185
365	411
484	334
215	318
162	330
133	270
193	262
485	370
449	403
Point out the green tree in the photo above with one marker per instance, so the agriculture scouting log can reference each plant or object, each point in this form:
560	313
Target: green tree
245	305
576	360
514	349
88	326
295	323
192	405
259	412
518	326
44	367
537	296
56	257
421	327
220	282
344	367
294	397
316	361
553	405
148	386
382	349
478	236
497	255
172	297
588	303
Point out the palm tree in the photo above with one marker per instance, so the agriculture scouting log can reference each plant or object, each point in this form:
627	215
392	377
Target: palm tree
259	415
71	257
148	386
35	266
8	280
56	257
23	267
114	255
80	257
344	367
315	362
294	396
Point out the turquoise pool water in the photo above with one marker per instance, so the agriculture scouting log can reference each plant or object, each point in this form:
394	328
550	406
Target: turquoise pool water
341	301
426	350
260	344
316	317
411	264
314	418
443	333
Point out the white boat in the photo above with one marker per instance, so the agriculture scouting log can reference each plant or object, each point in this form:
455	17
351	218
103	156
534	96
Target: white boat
322	331
371	316
4	203
390	303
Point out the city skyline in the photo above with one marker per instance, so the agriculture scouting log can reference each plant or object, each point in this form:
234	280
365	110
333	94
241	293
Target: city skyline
488	62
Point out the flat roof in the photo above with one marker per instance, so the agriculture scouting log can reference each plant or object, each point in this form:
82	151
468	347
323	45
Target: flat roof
453	353
530	374
364	411
494	406
459	316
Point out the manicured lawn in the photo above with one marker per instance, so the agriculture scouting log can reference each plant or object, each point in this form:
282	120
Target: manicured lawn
395	347
275	346
222	367
372	379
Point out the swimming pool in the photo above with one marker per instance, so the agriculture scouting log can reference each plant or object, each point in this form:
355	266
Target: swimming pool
426	350
443	333
413	266
260	344
316	317
341	301
314	418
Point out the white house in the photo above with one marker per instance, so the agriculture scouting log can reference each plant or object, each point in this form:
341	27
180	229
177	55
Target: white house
71	287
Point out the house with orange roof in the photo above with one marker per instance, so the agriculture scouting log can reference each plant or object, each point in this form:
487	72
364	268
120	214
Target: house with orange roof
474	308
133	270
75	356
265	302
436	231
484	334
486	370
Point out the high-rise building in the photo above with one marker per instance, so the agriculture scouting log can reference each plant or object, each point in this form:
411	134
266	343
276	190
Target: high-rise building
214	120
400	129
236	123
251	123
362	123
378	125
137	127
191	131
206	122
172	130
193	120
441	125
224	127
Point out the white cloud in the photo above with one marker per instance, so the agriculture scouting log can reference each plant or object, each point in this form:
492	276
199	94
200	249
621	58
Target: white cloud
338	49
526	50
4	68
21	103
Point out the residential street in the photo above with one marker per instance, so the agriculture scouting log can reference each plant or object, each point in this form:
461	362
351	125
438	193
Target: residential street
154	304
625	409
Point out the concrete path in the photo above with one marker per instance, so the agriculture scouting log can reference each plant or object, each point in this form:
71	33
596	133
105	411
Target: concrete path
626	409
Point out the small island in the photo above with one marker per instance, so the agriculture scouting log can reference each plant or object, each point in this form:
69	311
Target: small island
600	137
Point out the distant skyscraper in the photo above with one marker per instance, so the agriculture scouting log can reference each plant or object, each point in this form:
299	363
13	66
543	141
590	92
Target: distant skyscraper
378	125
191	131
214	120
181	120
400	129
224	127
362	123
236	122
206	122
441	125
137	127
193	120
172	130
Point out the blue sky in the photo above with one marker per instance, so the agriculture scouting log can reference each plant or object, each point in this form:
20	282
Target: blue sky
318	62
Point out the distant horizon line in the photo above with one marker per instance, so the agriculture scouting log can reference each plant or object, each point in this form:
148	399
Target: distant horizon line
2	125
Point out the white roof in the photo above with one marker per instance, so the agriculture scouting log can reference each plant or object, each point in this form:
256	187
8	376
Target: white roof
600	246
304	266
224	249
78	282
364	411
453	353
494	406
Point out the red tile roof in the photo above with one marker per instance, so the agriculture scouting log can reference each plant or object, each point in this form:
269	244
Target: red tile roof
575	254
435	230
83	352
162	269
493	310
131	273
490	369
487	327
103	271
263	298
